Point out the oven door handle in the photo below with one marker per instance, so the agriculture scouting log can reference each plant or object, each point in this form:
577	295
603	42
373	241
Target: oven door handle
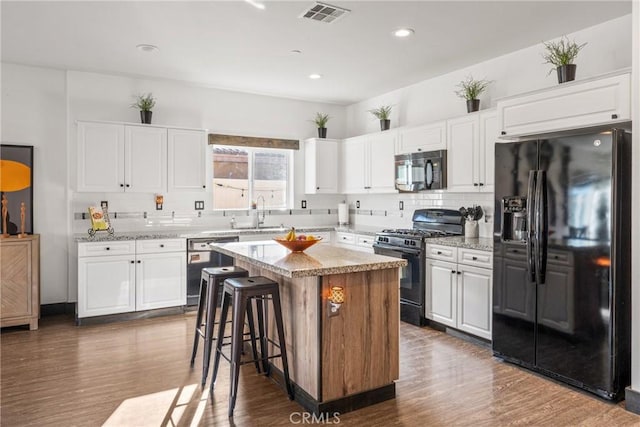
397	249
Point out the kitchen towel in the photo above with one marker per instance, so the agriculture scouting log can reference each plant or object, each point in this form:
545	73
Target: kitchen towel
343	214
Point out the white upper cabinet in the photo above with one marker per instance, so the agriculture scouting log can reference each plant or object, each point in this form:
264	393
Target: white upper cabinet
321	160
100	157
470	156
145	159
117	157
187	160
368	163
429	137
567	106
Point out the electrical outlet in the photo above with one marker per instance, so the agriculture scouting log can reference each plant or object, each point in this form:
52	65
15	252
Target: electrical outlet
401	205
357	204
104	204
303	204
199	205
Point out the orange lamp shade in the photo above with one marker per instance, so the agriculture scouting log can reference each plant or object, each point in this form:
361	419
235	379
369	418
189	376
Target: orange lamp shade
337	295
14	176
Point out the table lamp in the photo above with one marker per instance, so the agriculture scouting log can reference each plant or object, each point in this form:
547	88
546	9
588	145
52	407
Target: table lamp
14	176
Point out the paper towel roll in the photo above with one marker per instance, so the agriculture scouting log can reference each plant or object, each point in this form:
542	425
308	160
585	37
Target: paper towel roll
343	214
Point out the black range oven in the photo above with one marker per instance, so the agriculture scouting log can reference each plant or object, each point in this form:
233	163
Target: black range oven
410	244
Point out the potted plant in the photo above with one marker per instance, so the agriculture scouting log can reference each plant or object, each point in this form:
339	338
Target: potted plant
382	114
470	89
561	55
321	122
145	102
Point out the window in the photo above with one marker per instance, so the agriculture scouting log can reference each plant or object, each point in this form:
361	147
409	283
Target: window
241	175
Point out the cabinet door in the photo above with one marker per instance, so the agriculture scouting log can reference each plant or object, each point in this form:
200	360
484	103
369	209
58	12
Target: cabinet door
517	296
100	157
160	280
321	166
382	162
16	274
353	165
474	300
106	285
486	152
442	290
187	160
145	159
430	137
463	135
568	106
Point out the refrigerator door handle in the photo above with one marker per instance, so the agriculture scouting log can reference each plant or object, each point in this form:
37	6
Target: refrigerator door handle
531	225
542	227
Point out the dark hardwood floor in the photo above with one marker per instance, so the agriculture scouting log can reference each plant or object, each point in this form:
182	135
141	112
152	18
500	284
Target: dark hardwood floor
137	373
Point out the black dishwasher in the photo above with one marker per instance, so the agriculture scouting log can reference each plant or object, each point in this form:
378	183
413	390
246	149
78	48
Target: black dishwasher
201	255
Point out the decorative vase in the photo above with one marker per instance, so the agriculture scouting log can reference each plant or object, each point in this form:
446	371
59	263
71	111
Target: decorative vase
471	229
385	124
473	105
566	73
322	132
145	117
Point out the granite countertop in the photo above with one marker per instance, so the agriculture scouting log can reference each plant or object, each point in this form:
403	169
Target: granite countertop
319	260
478	243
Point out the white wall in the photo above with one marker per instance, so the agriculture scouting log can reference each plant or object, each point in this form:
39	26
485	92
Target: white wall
34	113
608	49
635	230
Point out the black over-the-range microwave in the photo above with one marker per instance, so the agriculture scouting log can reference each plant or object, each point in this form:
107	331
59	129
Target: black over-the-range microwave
425	170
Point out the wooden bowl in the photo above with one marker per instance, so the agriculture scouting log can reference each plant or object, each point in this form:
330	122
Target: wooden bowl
298	245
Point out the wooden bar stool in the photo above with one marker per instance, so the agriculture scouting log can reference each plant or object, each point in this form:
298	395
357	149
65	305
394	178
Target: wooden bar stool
210	286
243	291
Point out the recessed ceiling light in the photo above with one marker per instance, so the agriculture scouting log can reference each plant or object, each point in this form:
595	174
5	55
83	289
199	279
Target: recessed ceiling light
147	48
257	5
315	76
403	32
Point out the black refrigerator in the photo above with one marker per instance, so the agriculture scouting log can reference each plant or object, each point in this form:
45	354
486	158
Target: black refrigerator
561	284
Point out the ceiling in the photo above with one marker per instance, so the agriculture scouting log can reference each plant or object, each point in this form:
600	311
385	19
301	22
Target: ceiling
233	45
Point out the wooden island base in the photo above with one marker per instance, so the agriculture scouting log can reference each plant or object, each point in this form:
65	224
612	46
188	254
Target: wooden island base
345	361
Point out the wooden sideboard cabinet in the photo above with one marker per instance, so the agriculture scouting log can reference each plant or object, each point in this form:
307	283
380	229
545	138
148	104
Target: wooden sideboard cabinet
20	281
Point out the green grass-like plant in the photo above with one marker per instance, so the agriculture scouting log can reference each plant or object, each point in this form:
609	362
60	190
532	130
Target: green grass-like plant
562	52
144	102
382	113
321	120
471	89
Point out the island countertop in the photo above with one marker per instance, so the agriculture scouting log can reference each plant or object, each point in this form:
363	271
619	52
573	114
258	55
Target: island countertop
319	260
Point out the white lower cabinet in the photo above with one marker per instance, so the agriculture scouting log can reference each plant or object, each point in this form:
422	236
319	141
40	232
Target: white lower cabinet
458	294
121	277
358	242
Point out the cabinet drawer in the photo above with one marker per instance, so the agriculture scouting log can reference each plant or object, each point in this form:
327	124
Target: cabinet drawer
515	251
365	241
444	253
154	246
347	238
106	248
476	258
559	257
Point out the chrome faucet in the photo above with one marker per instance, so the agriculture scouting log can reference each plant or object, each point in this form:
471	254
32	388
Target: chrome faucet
261	221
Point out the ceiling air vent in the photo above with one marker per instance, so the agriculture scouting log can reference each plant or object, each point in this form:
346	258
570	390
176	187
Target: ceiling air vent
323	12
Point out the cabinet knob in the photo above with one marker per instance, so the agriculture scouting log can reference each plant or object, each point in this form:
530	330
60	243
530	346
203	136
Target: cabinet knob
132	261
317	188
503	133
204	186
139	261
481	184
453	272
458	272
107	248
475	184
128	186
121	185
515	251
162	246
419	149
475	258
556	257
439	252
614	116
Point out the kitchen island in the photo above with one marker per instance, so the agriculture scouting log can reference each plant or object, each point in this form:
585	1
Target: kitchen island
338	361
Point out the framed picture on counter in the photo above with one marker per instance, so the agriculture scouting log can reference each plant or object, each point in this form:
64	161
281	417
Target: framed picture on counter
16	186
